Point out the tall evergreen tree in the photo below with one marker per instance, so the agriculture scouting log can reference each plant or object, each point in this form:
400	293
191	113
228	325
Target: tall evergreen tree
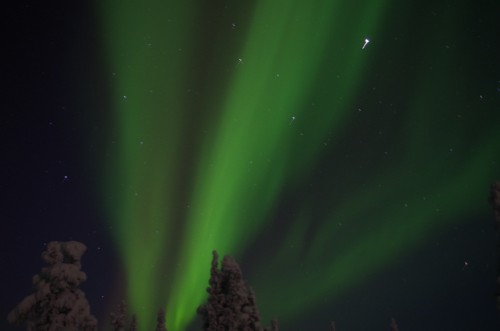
231	304
58	303
118	319
160	320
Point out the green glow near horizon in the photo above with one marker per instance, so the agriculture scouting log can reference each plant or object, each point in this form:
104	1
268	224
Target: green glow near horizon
246	159
145	54
183	183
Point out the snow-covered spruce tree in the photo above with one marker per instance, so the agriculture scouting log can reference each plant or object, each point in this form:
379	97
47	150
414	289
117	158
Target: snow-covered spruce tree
231	304
57	304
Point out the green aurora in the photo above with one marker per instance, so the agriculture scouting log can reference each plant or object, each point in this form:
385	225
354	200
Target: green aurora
224	111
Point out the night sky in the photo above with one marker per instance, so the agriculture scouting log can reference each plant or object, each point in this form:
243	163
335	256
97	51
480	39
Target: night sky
341	151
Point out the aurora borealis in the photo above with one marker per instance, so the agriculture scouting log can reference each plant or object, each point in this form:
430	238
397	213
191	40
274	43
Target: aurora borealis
264	130
222	112
247	155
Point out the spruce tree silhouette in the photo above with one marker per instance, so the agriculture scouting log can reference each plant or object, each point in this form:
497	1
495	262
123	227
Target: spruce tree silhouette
57	304
118	319
231	304
160	321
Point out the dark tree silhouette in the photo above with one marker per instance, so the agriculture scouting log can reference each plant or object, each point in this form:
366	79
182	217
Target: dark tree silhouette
160	321
118	319
57	304
231	304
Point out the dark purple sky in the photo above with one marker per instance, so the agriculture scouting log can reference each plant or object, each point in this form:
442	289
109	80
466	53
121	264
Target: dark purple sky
51	73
